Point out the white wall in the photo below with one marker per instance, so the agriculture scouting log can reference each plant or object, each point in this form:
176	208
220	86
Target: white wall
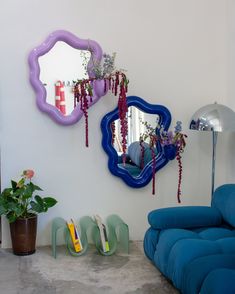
176	54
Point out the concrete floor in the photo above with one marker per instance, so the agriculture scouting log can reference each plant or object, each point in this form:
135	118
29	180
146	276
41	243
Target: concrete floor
92	273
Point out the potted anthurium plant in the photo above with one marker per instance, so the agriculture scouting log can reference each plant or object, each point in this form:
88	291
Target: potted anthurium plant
21	207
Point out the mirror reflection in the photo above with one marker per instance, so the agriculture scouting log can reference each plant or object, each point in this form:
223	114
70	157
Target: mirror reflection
60	69
139	154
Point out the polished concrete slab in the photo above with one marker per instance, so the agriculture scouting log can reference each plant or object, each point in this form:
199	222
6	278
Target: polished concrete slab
92	273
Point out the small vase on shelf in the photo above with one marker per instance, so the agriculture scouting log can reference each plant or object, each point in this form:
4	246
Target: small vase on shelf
170	151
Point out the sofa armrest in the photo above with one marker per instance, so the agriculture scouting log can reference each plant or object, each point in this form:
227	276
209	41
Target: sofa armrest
184	217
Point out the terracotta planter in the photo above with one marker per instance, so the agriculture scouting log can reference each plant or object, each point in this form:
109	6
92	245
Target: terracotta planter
23	235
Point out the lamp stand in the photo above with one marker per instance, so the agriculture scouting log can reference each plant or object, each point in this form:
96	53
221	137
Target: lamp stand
214	142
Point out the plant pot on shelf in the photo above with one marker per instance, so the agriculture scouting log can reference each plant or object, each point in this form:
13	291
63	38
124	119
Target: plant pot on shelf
23	235
170	151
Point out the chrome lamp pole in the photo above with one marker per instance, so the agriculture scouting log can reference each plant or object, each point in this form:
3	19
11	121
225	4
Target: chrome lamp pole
215	118
214	142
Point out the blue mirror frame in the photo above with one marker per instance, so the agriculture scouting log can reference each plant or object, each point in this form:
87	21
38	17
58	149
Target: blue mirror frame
146	174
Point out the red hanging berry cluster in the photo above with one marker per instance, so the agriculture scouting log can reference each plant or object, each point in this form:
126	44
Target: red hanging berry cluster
83	90
153	143
113	131
153	170
180	149
178	158
117	83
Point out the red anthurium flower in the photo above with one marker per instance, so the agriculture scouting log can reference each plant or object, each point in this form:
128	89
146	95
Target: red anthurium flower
28	173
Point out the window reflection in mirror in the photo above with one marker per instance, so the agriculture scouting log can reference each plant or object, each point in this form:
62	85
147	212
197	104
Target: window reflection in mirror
135	159
59	69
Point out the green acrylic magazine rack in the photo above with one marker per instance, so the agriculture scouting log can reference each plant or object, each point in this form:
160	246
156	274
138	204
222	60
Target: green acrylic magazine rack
87	227
118	235
119	232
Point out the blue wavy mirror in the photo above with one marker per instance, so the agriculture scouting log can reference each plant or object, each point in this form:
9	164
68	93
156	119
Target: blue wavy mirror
135	172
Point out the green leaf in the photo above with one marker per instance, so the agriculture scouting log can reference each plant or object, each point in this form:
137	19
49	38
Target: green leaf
18	211
2	210
13	185
49	201
26	193
36	207
11	203
35	187
6	192
11	217
39	200
18	192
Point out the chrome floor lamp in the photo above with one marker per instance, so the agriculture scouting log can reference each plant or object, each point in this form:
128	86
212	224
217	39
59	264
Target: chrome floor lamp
215	118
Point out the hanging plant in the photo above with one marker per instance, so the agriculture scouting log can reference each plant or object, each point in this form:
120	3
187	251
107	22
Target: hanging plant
153	145
180	149
173	145
83	90
152	138
176	139
114	81
113	128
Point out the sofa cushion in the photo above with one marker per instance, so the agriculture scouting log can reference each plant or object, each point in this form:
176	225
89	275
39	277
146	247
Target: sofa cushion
219	281
150	242
227	245
196	271
216	233
184	217
224	201
167	240
183	252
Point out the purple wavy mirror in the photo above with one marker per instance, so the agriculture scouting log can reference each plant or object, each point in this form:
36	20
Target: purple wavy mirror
90	52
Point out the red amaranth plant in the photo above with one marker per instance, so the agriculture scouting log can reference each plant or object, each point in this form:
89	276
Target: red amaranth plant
166	138
83	90
153	142
178	140
149	134
180	149
113	131
178	158
115	81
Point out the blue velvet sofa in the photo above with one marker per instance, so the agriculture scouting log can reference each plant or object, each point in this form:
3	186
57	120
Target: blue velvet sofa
194	246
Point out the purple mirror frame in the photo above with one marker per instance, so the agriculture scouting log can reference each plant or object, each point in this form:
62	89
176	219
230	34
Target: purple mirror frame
47	45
